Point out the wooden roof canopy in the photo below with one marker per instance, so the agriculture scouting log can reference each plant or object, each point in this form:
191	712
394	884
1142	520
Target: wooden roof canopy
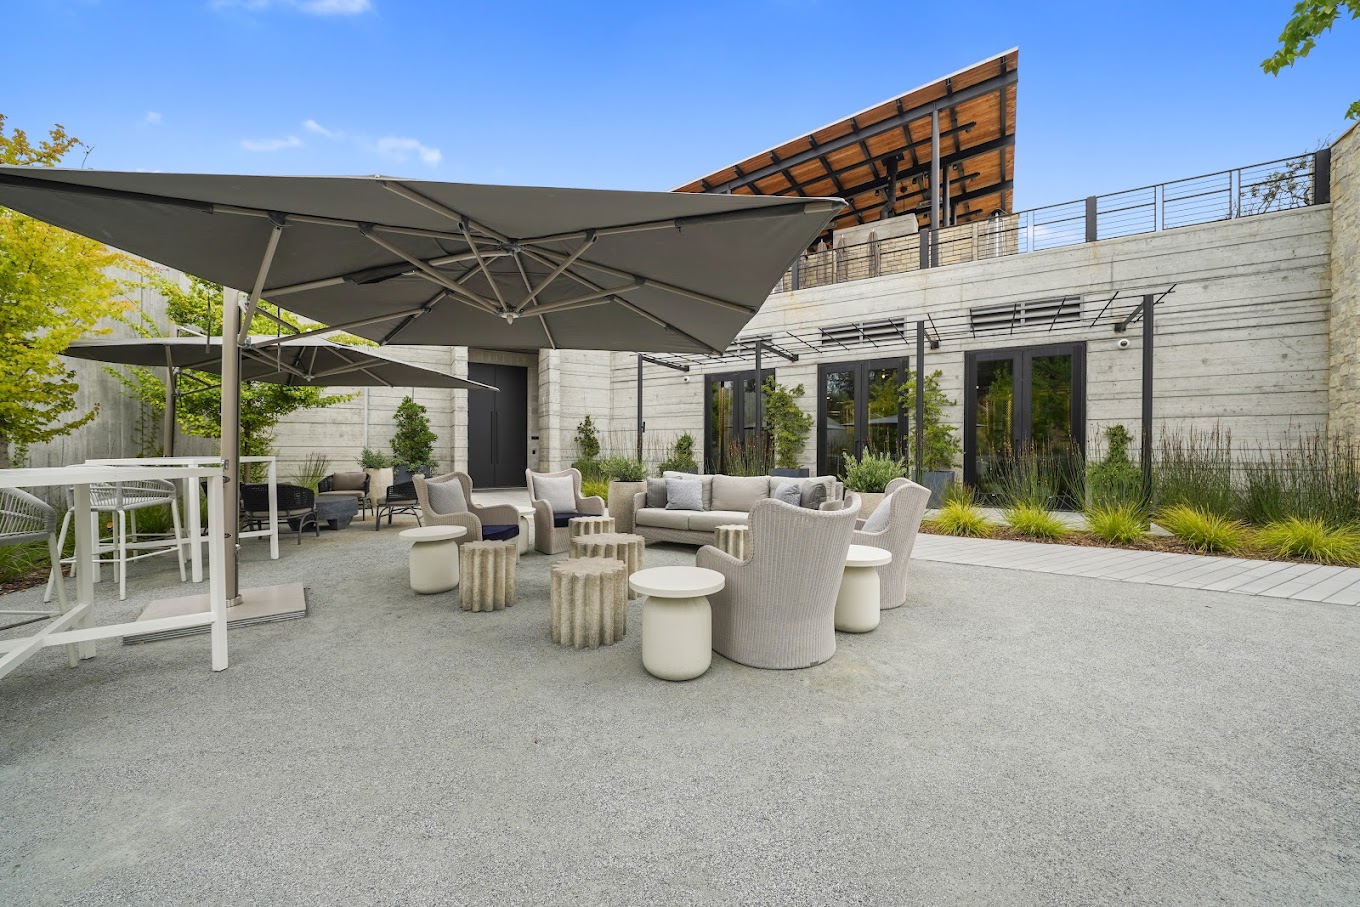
855	158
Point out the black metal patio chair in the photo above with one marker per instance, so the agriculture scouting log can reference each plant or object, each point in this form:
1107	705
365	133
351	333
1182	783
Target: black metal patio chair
296	506
401	498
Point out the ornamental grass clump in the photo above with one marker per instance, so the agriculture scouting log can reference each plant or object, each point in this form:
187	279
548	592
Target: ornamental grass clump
595	489
962	517
1120	524
1196	470
871	472
1311	539
1203	530
1035	522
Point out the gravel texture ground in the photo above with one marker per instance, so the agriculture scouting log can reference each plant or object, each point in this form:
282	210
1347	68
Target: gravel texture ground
1013	738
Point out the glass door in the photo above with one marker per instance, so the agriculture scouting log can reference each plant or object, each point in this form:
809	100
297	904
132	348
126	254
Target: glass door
1027	402
729	415
859	409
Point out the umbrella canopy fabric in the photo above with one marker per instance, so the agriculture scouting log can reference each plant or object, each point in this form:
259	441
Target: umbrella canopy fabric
309	360
418	262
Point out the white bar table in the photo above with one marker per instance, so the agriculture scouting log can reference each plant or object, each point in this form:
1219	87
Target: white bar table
76	627
192	517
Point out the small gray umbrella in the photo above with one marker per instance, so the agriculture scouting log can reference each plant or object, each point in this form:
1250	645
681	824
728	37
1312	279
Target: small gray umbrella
305	361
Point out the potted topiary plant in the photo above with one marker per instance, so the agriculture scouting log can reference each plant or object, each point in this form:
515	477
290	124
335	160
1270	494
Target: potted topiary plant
627	476
681	457
869	475
940	446
787	427
588	446
378	467
413	443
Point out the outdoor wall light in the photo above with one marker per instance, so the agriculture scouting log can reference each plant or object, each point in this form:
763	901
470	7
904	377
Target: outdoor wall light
1123	343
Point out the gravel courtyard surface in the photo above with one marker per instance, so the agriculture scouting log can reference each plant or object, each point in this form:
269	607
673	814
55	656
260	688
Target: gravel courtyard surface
1015	739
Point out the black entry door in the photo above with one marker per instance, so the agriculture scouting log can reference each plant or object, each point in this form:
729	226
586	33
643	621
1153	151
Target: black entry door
859	409
1022	401
729	415
498	426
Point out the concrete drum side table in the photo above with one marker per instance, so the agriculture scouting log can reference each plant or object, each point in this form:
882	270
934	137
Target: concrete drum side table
590	525
621	546
735	539
589	602
677	621
488	575
857	603
434	557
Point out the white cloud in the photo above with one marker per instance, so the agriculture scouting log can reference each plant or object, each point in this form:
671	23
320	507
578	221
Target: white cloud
153	118
291	141
310	7
314	126
400	149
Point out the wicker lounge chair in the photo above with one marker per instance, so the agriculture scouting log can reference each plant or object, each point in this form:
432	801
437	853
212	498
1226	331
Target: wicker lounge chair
908	506
778	608
551	532
497	523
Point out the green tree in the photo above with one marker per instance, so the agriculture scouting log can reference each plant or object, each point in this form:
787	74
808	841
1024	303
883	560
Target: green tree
1311	18
786	425
198	410
939	446
413	443
55	287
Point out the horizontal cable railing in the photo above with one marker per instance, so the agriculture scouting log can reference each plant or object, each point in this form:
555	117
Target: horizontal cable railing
1293	182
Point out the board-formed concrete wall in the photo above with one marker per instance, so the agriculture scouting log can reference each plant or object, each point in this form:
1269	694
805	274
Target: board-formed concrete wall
1344	408
1242	343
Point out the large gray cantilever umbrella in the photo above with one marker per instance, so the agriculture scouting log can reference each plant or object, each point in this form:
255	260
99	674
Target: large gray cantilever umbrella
306	361
409	261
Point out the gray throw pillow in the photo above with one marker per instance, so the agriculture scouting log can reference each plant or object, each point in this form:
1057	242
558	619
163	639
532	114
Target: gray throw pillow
815	494
789	493
878	520
684	494
656	492
558	491
446	497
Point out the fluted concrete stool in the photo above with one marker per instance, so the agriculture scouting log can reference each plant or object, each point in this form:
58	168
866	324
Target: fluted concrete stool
677	621
434	557
857	603
590	525
488	575
589	602
621	546
735	539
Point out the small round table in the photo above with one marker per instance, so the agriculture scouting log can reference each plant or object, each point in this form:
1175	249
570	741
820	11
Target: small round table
857	603
590	525
735	539
434	557
677	622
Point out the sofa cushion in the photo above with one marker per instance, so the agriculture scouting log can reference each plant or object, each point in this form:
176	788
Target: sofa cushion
656	492
684	494
662	518
496	533
562	520
446	497
789	493
712	519
347	481
739	492
558	491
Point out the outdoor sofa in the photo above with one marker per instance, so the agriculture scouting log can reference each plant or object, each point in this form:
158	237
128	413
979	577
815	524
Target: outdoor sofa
727	500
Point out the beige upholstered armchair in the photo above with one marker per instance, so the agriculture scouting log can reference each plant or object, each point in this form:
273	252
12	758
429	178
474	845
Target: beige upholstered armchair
496	523
551	534
778	609
907	503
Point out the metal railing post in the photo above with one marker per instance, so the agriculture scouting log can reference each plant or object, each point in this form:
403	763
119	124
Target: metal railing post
1091	224
1322	176
796	268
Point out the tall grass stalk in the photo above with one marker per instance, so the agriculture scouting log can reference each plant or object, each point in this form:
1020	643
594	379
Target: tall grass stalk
1196	470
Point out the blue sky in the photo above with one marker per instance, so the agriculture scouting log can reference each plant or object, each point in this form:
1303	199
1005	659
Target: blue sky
647	96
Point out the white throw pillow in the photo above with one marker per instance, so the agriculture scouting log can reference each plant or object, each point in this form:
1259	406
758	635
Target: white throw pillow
558	491
446	497
684	494
878	520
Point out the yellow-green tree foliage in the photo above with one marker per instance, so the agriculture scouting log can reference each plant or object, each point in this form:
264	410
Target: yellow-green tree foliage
55	287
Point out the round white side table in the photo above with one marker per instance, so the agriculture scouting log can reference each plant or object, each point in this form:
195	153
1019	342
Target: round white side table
434	557
857	603
677	622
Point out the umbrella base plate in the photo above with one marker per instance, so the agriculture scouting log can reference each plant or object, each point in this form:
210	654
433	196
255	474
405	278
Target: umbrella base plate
263	604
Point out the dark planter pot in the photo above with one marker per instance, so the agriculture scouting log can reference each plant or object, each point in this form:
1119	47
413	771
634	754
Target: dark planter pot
938	481
802	473
402	474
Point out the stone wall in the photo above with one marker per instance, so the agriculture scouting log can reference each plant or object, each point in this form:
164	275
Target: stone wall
1343	412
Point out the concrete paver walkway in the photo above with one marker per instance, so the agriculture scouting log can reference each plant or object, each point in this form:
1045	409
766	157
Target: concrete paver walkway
1274	579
